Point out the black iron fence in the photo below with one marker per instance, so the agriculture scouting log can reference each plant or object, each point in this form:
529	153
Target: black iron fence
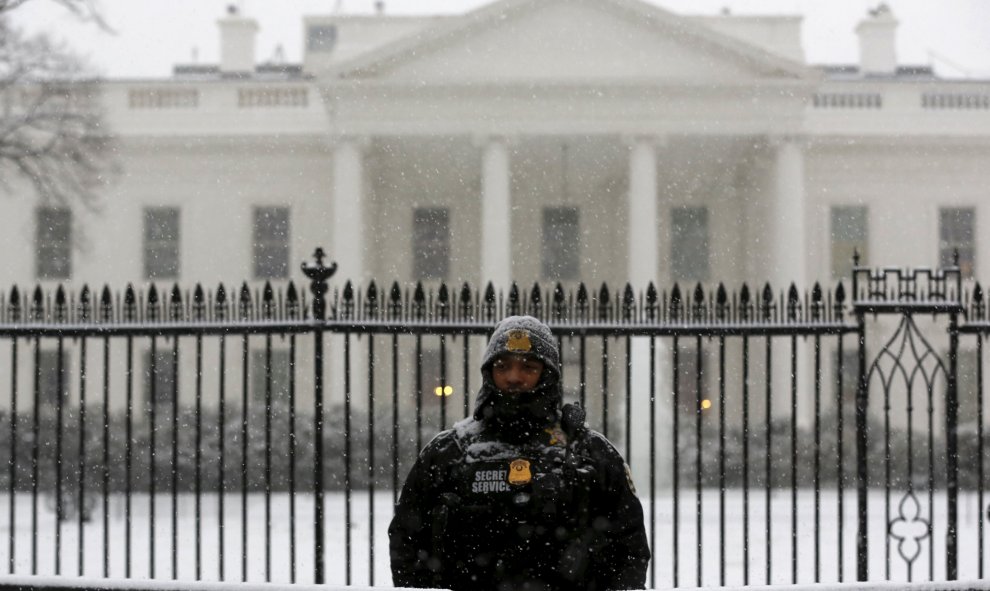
831	435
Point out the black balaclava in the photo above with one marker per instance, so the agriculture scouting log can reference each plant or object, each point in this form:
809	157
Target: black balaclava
518	417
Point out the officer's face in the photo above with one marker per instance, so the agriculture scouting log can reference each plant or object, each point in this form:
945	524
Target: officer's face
516	373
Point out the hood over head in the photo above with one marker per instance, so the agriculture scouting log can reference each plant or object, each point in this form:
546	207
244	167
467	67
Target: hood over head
521	335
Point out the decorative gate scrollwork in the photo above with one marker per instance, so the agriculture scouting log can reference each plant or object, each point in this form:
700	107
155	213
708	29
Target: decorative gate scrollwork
908	361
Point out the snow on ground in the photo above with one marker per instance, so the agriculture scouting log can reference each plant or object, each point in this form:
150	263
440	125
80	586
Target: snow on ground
69	583
90	584
372	569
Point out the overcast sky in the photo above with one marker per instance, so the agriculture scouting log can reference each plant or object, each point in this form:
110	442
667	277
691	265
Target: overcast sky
152	35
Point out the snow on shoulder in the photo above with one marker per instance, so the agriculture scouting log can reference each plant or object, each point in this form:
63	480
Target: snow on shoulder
466	428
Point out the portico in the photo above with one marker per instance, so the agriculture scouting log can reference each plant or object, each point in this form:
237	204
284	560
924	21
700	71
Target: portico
661	111
598	128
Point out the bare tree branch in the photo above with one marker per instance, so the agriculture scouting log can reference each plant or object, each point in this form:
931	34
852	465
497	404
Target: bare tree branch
85	10
52	128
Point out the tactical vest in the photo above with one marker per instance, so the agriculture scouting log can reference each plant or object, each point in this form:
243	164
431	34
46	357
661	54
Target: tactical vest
512	513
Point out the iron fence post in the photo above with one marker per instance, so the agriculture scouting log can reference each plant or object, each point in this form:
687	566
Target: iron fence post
951	432
862	447
318	275
951	451
862	442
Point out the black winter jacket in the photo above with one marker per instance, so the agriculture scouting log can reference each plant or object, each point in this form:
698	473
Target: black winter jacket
477	513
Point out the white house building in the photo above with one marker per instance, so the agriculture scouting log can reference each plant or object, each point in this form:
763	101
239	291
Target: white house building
530	140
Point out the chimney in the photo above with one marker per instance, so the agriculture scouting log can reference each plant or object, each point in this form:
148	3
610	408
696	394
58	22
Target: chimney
877	42
237	35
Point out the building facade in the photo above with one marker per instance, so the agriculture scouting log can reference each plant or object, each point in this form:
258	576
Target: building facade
529	140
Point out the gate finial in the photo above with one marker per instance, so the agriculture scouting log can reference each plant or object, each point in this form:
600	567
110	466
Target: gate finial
318	274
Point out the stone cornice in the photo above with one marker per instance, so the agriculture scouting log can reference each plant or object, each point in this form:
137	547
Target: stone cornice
482	140
893	140
317	139
486	85
657	140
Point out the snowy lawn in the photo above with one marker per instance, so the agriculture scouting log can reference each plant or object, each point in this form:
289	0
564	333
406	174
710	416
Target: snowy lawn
364	565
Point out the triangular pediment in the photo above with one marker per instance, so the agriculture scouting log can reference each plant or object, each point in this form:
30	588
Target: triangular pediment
569	40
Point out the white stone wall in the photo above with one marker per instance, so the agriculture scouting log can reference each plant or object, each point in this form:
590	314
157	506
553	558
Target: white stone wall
215	149
215	183
903	187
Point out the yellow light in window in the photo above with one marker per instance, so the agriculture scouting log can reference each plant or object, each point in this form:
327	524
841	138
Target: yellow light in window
706	404
443	390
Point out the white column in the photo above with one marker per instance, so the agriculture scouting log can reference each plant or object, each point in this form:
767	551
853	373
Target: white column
348	208
496	207
642	267
643	255
789	228
789	247
349	230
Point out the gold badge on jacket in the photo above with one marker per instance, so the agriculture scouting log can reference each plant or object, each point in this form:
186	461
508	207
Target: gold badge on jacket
518	342
519	472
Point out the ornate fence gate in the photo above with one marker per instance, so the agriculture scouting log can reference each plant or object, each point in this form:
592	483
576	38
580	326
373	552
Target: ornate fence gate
909	361
213	436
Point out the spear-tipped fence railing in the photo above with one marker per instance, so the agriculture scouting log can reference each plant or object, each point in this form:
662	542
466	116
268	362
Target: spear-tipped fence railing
252	395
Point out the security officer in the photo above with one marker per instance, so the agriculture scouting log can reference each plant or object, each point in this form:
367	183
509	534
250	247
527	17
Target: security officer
521	495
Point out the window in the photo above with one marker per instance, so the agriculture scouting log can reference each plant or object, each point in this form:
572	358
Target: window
53	243
849	233
271	242
163	376
561	243
280	376
431	243
956	231
161	242
48	385
689	245
321	38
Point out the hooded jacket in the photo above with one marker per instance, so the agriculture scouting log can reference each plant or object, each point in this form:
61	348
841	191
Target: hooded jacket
515	418
488	506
